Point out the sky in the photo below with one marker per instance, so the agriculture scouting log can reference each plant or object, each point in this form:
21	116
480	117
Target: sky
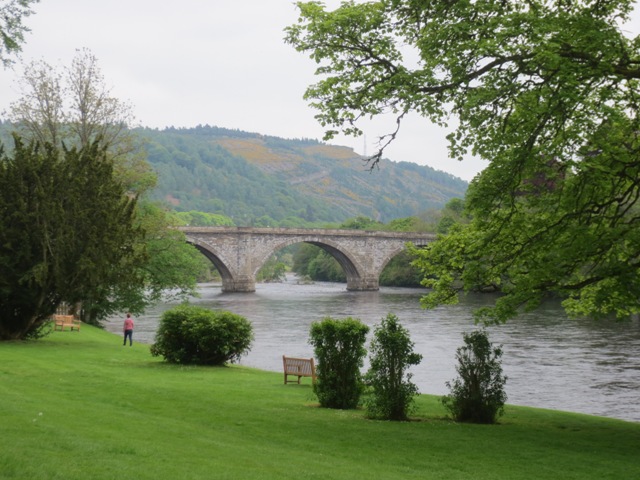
218	62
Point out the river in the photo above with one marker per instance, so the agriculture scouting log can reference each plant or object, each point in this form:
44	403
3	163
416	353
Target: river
551	361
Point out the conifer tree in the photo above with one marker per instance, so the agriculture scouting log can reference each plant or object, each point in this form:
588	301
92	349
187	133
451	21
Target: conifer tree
67	231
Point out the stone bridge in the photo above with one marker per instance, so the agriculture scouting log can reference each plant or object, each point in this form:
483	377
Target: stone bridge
239	252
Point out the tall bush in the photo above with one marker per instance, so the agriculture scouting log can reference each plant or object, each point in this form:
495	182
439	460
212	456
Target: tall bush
478	395
195	335
340	351
392	354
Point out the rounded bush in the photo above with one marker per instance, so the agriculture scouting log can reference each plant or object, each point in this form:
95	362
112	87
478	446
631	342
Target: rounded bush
195	335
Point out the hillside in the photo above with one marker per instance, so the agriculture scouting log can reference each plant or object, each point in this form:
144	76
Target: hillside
249	177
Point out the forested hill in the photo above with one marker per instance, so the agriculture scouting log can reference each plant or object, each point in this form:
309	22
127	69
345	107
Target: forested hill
251	177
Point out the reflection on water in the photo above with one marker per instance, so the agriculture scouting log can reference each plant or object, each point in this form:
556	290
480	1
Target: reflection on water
550	361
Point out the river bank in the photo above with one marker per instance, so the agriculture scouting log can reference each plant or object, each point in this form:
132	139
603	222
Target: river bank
79	405
551	361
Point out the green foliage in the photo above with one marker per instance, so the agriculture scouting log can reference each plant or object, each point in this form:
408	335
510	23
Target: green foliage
194	335
452	213
12	30
314	262
302	256
392	393
196	173
400	272
325	268
272	271
169	272
546	92
173	265
407	224
478	394
67	233
339	349
203	219
361	223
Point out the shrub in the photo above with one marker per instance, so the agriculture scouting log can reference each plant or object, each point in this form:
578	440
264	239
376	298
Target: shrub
478	395
194	335
391	396
339	349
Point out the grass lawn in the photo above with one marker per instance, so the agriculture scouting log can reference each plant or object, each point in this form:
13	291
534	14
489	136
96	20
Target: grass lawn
79	405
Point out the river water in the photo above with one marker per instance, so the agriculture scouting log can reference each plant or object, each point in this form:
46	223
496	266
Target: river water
551	361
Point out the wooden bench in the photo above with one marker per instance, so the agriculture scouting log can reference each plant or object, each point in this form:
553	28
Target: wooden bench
61	321
299	367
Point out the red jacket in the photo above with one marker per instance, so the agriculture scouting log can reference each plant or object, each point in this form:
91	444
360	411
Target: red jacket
128	324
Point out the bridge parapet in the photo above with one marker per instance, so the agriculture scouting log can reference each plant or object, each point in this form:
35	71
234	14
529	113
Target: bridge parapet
325	232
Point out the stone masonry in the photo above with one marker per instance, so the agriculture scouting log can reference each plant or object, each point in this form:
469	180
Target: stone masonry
239	252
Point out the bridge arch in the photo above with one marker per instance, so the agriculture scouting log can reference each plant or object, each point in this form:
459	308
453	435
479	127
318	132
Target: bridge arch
390	255
350	265
216	257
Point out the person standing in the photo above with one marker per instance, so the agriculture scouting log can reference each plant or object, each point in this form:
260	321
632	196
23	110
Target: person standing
128	329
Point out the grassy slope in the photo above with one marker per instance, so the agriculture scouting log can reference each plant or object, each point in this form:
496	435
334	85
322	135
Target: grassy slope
82	406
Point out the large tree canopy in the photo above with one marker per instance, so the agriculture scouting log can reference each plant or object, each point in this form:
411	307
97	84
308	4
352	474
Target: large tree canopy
547	92
67	230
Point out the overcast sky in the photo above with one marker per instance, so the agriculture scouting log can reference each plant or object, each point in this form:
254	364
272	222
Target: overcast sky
217	62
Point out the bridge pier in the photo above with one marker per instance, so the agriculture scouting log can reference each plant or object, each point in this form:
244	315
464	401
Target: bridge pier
363	284
240	284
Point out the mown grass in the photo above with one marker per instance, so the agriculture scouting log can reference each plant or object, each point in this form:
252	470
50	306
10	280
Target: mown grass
82	406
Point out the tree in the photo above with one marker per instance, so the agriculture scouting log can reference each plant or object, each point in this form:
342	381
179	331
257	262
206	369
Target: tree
361	223
478	394
39	113
67	229
452	213
407	224
170	270
73	104
273	271
12	30
72	107
400	272
392	354
547	92
203	219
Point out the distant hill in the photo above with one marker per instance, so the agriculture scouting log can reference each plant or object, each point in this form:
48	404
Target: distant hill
249	177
